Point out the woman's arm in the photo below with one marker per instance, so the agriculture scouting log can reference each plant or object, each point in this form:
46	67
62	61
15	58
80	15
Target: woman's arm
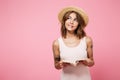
56	53
90	60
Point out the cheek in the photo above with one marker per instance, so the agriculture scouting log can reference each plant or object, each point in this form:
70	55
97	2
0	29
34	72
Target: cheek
66	22
76	24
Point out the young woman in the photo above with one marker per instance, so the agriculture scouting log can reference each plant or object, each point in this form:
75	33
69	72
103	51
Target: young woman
73	51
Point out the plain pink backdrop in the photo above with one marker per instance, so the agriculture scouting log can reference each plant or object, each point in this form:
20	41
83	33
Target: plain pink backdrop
28	28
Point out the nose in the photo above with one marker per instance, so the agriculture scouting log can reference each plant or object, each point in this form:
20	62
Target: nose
71	21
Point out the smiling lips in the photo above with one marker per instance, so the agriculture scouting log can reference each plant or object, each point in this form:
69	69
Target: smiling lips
70	26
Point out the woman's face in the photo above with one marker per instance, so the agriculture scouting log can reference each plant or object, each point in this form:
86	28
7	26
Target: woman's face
71	23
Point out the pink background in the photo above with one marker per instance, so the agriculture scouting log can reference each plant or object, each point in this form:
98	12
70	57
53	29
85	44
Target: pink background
28	28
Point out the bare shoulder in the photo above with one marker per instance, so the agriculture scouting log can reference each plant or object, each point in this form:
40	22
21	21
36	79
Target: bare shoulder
55	43
55	47
89	40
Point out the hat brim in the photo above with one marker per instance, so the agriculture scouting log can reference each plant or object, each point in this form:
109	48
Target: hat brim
80	11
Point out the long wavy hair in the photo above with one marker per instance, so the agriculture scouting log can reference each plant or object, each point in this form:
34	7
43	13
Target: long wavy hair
79	32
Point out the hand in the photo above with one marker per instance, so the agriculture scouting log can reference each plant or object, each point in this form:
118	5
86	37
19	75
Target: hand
64	64
88	62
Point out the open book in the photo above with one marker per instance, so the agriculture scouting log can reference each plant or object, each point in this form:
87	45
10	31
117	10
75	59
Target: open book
74	63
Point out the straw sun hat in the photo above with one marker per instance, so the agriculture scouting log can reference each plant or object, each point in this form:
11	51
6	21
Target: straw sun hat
80	11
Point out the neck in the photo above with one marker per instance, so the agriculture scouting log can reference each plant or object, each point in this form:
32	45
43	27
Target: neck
70	35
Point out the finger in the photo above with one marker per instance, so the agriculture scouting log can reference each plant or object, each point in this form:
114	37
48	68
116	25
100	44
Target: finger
61	65
84	62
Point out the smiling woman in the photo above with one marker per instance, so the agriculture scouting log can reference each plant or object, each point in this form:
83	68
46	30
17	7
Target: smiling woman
73	52
73	19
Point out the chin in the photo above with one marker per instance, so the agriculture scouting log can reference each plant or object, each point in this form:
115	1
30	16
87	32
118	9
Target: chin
71	29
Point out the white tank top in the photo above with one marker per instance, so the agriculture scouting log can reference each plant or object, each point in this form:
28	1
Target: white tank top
73	54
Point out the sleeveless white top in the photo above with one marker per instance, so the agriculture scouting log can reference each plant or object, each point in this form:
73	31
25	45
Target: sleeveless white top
71	55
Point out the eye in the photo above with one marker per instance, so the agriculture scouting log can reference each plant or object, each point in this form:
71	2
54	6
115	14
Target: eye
76	19
69	17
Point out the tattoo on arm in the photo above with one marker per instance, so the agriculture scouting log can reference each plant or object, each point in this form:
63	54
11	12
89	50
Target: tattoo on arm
57	58
91	46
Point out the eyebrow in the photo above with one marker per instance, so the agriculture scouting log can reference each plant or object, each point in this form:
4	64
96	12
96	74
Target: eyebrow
71	17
